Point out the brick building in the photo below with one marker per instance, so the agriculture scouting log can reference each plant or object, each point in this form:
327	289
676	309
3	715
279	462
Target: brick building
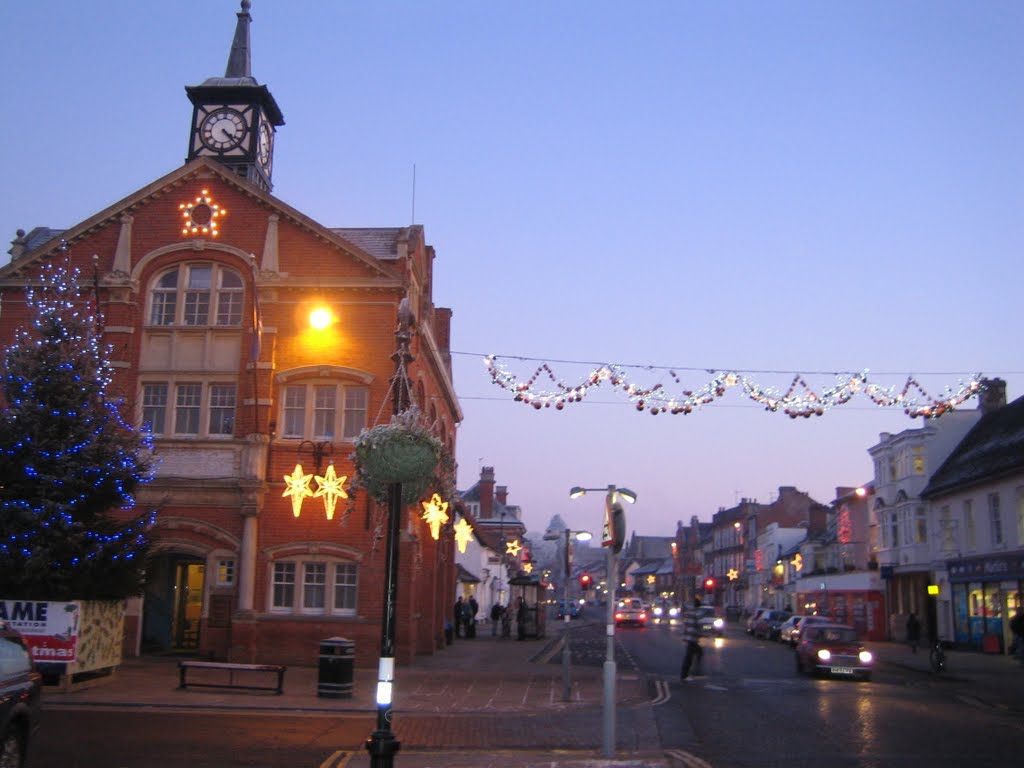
205	284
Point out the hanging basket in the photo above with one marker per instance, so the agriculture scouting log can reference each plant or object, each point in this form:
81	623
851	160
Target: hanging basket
403	451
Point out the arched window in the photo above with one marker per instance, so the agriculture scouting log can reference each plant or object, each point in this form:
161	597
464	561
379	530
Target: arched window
197	294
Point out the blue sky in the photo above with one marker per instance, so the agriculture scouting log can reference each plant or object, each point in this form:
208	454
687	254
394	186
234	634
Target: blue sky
789	187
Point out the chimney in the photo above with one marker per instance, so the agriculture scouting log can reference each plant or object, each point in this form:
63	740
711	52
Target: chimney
992	397
486	493
501	494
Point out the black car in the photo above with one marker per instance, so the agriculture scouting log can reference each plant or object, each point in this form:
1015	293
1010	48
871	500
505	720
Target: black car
20	687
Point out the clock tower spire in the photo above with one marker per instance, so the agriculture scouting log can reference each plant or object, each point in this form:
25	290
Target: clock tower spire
234	118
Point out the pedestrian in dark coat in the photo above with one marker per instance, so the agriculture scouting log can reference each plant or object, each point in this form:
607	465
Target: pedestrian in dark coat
496	611
460	617
472	608
1017	627
693	656
913	632
521	614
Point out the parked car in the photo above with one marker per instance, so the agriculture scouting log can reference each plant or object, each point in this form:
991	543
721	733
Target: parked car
710	622
768	626
754	618
833	649
630	611
790	630
20	687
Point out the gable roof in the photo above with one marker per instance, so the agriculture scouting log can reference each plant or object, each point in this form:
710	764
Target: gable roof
993	448
45	242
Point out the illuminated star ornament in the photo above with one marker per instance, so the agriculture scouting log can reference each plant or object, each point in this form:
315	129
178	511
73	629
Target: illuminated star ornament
798	562
733	574
298	488
528	567
435	512
330	490
463	534
201	216
513	548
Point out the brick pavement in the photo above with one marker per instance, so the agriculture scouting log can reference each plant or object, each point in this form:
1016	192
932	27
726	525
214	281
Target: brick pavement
478	702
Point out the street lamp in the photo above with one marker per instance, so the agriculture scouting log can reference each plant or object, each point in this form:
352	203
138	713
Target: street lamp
612	538
566	649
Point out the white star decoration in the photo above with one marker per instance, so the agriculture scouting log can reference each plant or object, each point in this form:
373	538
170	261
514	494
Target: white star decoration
435	512
331	490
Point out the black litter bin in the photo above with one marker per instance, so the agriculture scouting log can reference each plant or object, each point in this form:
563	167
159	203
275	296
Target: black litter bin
337	655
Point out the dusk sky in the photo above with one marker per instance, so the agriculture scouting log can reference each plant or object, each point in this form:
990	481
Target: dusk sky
770	188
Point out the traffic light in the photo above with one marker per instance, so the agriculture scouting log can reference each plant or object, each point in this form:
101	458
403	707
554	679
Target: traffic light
584	581
709	584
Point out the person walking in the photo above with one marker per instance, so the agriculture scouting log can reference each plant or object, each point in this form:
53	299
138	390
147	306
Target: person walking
521	614
472	608
1017	627
496	611
693	656
913	631
460	618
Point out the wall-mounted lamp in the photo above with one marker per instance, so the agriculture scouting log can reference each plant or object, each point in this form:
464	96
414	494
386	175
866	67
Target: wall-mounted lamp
320	318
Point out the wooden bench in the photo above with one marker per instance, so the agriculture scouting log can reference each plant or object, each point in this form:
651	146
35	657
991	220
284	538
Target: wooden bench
231	669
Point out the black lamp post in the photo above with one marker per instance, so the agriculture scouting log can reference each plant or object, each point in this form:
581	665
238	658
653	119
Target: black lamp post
382	744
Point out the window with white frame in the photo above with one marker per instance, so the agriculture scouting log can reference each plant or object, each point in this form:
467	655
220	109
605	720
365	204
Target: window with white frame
323	410
995	519
920	524
947	524
1020	516
314	586
197	294
189	408
970	529
225	573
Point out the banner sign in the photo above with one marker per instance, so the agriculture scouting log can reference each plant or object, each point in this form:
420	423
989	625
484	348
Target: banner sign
50	629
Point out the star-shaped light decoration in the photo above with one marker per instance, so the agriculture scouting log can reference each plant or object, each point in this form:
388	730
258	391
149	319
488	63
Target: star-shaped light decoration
798	562
435	512
298	488
513	548
733	574
651	579
331	490
463	533
528	567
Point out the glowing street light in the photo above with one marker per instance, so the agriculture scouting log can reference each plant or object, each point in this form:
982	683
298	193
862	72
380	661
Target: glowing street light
613	539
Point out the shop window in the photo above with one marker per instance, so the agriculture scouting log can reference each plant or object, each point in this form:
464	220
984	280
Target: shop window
198	294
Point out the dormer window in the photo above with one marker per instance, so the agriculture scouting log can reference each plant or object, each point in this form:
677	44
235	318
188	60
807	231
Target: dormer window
198	294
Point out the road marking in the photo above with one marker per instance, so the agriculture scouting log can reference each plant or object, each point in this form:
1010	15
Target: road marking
337	760
687	759
661	693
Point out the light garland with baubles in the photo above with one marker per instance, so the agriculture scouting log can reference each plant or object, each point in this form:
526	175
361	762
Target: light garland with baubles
800	400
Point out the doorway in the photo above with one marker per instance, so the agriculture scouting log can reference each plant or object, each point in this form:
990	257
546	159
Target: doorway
173	605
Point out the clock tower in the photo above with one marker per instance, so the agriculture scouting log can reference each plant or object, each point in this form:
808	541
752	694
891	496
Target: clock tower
234	118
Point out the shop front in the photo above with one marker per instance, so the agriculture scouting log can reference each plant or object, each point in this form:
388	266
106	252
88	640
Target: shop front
986	594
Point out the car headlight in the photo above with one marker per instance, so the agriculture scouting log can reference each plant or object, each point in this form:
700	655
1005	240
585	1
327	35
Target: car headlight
657	611
824	654
673	611
865	657
719	623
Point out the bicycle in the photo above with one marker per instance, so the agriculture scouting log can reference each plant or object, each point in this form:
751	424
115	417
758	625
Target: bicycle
937	657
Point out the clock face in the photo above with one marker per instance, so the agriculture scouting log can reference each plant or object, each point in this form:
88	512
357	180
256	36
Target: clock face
223	129
263	146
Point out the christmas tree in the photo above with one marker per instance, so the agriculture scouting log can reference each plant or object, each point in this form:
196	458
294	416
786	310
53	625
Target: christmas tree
68	461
